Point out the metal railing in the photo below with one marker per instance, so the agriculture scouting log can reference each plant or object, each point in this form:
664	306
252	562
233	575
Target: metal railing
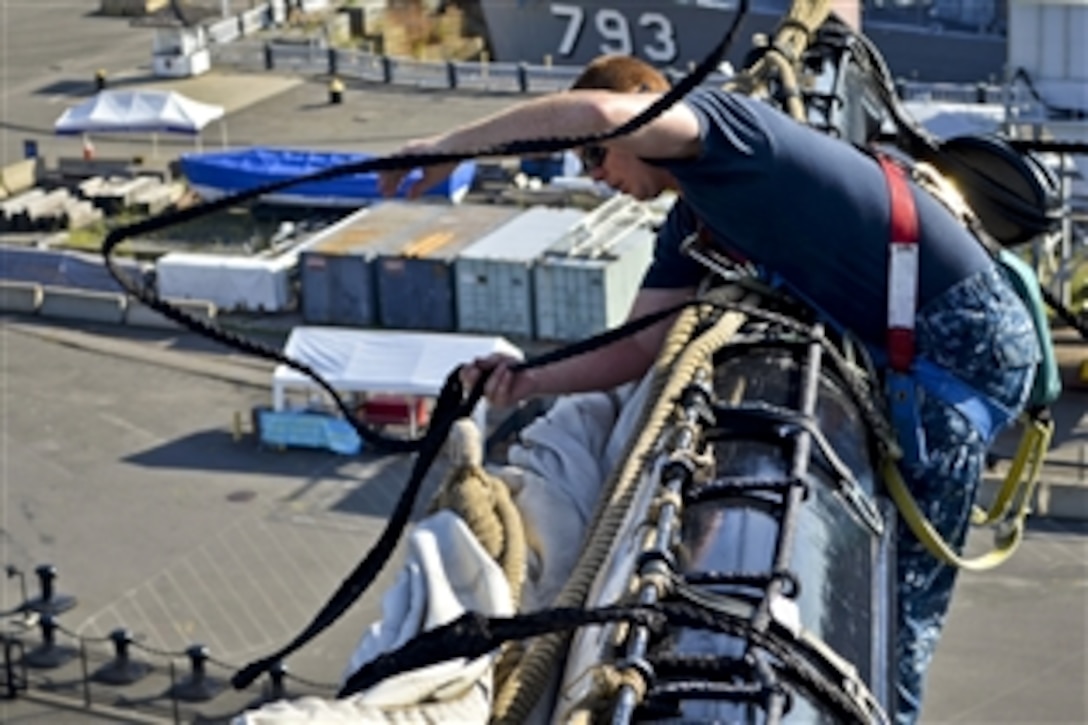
40	656
356	64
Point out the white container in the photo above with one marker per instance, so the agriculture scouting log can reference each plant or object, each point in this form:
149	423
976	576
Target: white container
494	275
231	283
586	283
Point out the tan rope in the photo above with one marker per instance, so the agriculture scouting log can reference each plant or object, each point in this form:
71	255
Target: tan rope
484	503
664	498
606	683
790	40
674	368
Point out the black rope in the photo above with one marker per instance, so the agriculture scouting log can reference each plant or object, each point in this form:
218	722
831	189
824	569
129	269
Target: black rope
473	635
1049	146
671	664
740	692
448	409
1067	315
729	486
1063	113
778	643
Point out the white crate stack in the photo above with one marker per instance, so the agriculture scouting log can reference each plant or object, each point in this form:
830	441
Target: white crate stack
586	283
494	275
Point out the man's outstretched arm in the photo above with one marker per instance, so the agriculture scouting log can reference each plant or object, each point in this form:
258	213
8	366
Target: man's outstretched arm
621	362
672	135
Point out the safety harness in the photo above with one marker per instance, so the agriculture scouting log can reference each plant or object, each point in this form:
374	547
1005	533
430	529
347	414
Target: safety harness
906	373
902	305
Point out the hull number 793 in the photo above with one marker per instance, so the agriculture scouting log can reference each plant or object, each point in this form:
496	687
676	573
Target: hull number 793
656	38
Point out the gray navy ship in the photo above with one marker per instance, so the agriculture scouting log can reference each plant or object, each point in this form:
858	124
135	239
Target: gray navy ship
960	41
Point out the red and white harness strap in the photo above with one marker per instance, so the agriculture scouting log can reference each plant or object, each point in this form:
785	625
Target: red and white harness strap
902	268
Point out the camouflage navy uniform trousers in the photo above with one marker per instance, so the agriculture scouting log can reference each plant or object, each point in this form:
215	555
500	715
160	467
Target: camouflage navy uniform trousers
980	331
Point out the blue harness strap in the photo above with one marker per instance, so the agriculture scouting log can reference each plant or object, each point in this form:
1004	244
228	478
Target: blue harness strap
984	413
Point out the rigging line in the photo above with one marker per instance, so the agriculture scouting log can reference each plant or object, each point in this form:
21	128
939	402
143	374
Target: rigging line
474	634
1049	146
1068	316
450	405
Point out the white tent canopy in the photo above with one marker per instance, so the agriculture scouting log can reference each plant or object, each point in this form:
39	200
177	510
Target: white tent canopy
145	111
380	361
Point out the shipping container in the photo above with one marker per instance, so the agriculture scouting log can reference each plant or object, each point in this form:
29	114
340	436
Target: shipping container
494	275
232	283
336	276
586	283
415	264
339	268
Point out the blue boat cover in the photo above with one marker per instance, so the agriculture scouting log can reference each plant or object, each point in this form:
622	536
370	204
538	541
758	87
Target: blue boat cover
242	169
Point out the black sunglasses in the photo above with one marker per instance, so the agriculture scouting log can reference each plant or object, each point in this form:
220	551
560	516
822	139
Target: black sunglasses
593	156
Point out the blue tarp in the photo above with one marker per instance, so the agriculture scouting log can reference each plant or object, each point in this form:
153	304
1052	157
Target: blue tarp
305	429
242	169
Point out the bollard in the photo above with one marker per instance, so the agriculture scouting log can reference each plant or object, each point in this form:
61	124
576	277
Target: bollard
387	69
276	674
199	687
49	602
336	91
523	77
100	80
451	74
15	680
980	93
49	654
333	61
269	62
122	670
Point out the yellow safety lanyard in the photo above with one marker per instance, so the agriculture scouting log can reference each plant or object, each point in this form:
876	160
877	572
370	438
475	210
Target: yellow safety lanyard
1038	429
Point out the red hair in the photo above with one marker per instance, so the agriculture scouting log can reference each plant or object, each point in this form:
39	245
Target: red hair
621	73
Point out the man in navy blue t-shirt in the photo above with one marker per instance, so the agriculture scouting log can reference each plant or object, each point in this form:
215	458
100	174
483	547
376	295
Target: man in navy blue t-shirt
815	212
